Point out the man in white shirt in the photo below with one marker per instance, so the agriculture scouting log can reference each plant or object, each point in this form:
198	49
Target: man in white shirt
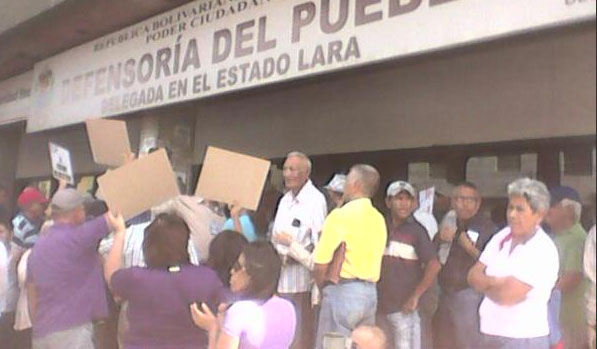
301	213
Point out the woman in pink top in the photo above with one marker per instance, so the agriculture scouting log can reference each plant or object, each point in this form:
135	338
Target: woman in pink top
260	319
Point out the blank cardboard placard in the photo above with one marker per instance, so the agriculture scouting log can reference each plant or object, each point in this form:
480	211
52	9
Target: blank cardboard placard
232	177
109	140
139	185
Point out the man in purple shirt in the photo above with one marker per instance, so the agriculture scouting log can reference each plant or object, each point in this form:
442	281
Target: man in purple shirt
65	283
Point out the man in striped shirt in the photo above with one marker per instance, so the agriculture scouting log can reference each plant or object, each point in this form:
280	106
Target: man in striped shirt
409	268
301	213
26	225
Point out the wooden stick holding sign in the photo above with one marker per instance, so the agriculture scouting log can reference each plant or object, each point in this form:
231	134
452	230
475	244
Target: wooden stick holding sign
139	185
232	178
62	168
109	141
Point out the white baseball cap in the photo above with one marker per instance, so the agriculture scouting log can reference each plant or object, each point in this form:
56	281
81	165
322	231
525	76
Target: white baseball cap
399	186
337	183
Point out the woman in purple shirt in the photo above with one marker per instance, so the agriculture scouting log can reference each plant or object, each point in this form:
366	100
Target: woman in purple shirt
159	295
261	319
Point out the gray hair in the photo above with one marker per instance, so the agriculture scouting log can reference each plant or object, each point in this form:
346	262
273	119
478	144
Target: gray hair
165	207
302	156
534	191
573	206
368	176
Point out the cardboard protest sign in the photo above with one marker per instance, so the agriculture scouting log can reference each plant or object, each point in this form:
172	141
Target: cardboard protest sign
232	177
109	141
426	198
139	185
61	164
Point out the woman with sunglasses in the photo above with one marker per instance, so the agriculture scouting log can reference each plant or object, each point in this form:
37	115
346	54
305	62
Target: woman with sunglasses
158	295
260	319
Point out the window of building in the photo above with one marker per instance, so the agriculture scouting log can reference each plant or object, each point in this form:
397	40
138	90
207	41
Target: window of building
509	163
577	162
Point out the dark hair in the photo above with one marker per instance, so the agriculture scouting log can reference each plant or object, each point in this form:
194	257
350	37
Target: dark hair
224	251
469	185
263	265
166	242
95	208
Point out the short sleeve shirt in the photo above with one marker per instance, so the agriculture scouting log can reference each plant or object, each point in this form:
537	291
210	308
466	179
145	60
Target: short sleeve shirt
268	325
246	224
67	273
570	245
534	263
408	249
159	300
25	232
363	228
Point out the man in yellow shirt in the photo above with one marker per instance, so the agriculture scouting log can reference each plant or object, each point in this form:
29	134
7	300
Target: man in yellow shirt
352	301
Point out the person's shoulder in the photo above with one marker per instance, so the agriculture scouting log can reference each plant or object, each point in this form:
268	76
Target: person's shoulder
243	308
134	271
286	198
282	304
314	195
203	274
545	243
499	236
413	226
483	224
199	269
579	232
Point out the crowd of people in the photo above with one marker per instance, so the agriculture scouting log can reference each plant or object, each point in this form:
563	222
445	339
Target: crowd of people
330	270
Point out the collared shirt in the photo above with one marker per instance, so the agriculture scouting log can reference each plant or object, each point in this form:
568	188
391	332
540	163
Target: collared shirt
534	263
589	268
408	249
132	252
67	273
452	277
302	217
25	232
363	228
570	244
25	235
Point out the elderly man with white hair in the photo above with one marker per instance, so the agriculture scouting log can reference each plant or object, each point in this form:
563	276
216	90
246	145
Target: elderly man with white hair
516	273
300	214
569	236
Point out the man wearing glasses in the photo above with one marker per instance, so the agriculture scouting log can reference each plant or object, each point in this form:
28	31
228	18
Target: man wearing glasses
456	321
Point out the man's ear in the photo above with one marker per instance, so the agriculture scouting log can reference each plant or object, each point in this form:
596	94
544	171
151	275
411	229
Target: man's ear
388	201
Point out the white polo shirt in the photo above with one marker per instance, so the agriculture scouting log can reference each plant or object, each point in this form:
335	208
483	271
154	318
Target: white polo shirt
535	263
